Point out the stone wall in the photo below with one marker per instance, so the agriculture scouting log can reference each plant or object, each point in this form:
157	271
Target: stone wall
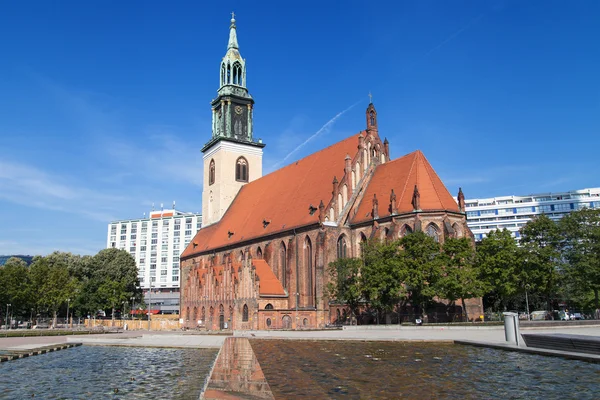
157	323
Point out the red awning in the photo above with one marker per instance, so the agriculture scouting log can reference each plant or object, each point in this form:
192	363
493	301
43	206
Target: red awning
144	311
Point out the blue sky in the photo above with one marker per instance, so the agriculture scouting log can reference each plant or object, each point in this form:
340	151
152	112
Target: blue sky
104	105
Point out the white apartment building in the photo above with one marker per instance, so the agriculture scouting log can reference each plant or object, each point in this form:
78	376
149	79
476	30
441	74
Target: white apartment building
156	242
513	212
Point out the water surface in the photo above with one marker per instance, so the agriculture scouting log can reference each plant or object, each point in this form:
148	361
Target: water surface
391	370
94	372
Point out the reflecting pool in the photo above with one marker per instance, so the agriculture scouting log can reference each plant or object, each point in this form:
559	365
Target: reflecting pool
391	370
94	372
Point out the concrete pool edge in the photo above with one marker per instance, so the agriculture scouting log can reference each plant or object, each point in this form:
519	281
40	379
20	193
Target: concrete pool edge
18	354
533	350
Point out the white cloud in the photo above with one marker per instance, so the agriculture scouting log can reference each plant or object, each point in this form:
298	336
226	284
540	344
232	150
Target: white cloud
27	185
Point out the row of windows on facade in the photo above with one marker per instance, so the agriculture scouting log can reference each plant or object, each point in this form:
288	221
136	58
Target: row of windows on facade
202	315
566	207
177	221
481	236
162	279
154	236
241	171
164	272
534	199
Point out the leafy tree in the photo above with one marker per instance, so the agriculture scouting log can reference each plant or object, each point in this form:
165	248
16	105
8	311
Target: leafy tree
421	264
38	272
581	233
345	283
460	278
114	279
51	285
382	275
16	286
497	259
541	260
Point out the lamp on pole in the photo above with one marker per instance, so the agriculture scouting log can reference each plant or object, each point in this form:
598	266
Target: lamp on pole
68	303
7	322
527	301
131	307
149	303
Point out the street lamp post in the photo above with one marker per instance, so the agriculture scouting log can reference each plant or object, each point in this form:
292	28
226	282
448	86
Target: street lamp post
6	318
527	302
68	304
131	308
149	303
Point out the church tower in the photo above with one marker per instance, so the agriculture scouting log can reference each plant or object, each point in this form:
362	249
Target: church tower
232	157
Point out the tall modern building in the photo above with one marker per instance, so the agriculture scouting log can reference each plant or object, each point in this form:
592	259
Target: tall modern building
513	212
156	242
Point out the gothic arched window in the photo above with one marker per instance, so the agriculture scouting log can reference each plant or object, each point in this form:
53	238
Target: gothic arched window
283	265
237	74
406	230
259	253
457	230
211	172
245	313
372	118
269	306
433	232
341	247
308	262
241	170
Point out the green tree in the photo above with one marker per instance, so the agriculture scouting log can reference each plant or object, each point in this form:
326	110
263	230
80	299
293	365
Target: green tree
542	262
38	273
345	283
460	278
421	268
52	285
581	233
382	275
114	279
497	258
16	286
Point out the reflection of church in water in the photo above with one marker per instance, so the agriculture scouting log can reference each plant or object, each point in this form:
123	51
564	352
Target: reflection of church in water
260	260
237	373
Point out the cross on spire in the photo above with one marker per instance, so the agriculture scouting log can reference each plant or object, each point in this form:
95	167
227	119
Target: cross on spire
232	15
370	97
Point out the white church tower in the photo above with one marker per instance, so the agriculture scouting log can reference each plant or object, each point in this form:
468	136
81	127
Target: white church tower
231	157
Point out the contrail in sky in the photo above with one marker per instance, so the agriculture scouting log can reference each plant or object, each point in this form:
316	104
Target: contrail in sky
444	42
324	128
455	34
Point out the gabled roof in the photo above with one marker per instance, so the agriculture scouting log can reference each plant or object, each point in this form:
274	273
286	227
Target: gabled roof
402	175
281	199
268	282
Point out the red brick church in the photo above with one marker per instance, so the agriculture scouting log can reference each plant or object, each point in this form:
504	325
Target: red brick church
260	260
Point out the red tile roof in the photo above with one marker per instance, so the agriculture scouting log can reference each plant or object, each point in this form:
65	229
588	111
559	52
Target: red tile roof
401	175
281	198
268	284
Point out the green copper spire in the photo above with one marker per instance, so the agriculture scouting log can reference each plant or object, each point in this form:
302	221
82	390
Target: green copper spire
233	108
233	44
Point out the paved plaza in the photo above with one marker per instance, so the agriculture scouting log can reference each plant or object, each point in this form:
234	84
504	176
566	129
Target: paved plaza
481	334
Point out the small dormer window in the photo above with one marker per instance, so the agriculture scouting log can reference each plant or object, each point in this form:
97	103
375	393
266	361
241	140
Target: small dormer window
241	170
